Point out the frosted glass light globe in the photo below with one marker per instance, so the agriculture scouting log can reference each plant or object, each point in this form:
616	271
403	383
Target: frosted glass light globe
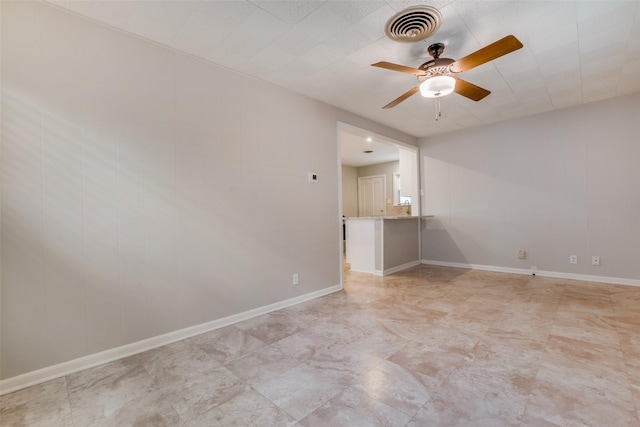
437	86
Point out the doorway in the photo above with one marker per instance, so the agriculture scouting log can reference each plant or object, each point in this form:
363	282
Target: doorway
363	155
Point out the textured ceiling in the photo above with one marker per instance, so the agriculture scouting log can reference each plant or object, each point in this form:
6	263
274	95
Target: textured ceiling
354	142
574	51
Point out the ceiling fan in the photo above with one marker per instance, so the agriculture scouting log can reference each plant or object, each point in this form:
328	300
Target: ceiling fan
437	75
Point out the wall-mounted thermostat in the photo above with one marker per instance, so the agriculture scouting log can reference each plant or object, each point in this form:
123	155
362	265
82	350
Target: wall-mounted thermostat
313	177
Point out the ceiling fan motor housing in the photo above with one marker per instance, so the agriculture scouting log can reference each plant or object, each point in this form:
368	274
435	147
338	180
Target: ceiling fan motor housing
435	67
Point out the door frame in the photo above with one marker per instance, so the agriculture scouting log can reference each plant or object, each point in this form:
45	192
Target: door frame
340	126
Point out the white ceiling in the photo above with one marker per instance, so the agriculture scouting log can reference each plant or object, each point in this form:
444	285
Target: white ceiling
354	142
574	51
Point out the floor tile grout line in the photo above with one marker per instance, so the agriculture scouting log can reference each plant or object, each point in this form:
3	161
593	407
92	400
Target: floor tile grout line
542	352
636	402
66	383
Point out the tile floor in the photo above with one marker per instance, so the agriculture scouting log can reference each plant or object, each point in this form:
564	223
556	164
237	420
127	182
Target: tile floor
429	346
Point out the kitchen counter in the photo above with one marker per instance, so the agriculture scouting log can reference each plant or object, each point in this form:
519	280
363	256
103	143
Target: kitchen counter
384	244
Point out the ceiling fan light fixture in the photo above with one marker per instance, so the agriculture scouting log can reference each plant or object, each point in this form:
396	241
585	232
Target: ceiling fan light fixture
437	86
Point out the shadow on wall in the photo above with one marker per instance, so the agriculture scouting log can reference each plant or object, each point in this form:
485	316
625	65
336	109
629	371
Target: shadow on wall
440	242
110	237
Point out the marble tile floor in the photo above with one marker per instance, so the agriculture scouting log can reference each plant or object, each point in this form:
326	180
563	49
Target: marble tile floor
429	346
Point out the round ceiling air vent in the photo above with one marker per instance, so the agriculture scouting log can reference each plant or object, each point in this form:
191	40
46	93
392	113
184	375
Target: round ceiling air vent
413	24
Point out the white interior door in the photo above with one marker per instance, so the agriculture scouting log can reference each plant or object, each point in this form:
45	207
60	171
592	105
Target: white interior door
371	195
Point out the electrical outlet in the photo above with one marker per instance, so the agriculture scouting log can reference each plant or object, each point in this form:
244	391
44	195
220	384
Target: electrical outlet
595	260
522	254
295	278
573	259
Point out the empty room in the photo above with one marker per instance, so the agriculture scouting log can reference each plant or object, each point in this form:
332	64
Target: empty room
319	213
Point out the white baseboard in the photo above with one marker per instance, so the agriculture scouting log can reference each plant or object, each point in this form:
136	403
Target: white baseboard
543	273
400	267
389	270
28	379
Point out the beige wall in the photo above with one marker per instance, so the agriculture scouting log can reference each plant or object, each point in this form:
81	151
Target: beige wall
349	191
145	191
387	169
556	184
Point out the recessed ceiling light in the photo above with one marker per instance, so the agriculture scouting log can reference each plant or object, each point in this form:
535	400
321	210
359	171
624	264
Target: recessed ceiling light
368	151
369	139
